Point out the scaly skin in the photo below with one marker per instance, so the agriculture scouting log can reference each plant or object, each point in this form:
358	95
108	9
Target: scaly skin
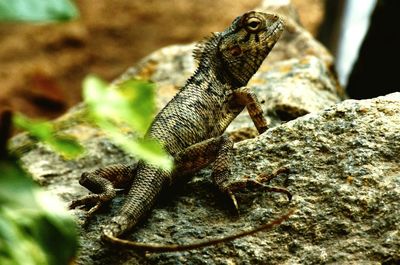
191	125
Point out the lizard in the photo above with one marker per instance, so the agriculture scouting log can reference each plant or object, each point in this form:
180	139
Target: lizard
191	129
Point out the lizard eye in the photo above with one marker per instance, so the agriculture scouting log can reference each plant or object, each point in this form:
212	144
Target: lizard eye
253	24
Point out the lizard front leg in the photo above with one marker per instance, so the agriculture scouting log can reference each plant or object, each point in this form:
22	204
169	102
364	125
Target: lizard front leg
103	182
245	97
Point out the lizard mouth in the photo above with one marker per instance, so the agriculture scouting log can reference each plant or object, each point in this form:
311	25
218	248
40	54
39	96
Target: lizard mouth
273	33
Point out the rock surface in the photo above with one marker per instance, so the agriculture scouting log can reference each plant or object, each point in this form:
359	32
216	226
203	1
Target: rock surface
342	161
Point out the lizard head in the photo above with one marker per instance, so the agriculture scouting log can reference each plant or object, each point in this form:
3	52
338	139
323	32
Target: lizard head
245	44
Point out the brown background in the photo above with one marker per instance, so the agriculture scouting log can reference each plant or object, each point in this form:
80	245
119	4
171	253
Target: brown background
42	65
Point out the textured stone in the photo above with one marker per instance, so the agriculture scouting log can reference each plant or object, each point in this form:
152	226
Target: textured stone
342	160
344	173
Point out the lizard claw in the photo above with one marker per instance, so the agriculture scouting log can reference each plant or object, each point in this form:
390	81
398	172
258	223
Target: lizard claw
233	200
273	189
93	202
85	201
255	183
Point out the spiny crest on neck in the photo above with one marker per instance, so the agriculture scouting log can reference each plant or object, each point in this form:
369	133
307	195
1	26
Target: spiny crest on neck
207	47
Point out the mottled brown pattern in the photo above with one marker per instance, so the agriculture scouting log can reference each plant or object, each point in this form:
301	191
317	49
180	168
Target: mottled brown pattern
191	125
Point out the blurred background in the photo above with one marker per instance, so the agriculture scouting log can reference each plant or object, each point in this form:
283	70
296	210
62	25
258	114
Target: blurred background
42	65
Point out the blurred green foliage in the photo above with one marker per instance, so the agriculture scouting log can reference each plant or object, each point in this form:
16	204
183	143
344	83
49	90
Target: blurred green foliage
37	10
130	105
115	110
34	229
46	132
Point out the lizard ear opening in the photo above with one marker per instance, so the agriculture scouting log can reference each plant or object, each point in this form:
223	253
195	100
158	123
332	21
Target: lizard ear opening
235	51
205	46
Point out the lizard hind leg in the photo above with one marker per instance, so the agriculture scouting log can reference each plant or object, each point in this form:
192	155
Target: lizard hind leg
217	150
259	183
221	173
103	182
221	169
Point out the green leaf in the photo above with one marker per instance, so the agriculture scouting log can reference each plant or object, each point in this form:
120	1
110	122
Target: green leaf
15	246
15	189
131	103
37	10
149	150
38	129
45	132
34	227
141	105
66	146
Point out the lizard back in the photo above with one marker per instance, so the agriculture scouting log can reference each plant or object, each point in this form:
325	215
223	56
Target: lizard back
204	107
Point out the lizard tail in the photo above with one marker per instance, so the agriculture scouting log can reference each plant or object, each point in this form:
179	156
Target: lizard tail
154	247
117	226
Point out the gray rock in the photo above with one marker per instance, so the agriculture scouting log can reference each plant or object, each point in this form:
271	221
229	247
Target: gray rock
342	162
344	172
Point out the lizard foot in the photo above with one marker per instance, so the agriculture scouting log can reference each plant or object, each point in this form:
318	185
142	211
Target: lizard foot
92	202
240	185
252	182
